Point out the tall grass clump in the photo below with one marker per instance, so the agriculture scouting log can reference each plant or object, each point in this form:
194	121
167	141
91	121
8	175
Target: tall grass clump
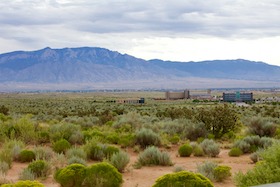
146	137
119	160
209	147
153	156
206	169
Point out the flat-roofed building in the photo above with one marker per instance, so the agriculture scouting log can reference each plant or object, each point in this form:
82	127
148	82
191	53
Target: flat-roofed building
186	95
237	97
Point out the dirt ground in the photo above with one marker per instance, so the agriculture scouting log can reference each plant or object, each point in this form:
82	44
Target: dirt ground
146	176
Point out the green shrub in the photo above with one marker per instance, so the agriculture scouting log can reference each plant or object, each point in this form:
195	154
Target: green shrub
67	131
185	150
152	155
209	147
194	145
61	146
194	131
183	178
222	173
28	184
113	139
174	139
87	136
72	175
76	152
146	137
242	145
76	160
96	153
110	150
178	168
235	152
9	144
4	167
43	153
261	126
102	175
96	133
40	168
26	174
211	136
206	169
119	160
199	140
43	137
109	123
124	143
253	148
25	130
27	155
16	150
6	156
265	171
198	152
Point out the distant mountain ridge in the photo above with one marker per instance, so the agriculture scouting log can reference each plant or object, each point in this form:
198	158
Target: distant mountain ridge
99	65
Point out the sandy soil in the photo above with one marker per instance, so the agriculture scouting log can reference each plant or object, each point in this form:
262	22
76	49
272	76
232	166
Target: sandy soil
146	176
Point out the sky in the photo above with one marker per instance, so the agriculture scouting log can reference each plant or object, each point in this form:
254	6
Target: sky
176	30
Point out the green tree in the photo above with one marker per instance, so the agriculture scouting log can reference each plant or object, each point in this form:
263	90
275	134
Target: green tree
218	121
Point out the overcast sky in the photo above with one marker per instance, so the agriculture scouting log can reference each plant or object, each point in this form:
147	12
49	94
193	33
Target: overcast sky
177	30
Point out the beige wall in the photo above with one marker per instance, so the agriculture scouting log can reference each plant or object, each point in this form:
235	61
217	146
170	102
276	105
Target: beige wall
176	95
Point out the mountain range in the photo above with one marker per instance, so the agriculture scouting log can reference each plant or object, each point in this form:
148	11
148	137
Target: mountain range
99	68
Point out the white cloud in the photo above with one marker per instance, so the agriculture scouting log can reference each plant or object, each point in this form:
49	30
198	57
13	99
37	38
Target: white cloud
175	30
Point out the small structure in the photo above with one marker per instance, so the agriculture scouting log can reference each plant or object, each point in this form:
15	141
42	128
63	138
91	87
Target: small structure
131	100
237	97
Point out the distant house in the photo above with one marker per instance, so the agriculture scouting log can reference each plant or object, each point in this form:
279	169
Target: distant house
186	95
131	100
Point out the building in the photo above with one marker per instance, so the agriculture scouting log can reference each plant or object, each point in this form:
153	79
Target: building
131	100
186	95
237	97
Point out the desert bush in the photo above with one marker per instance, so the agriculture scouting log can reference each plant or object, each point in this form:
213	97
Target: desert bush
235	152
178	168
206	169
26	174
102	175
16	150
40	168
43	153
267	142
77	137
253	148
97	133
265	171
89	144
222	173
9	144
194	131
26	183
255	157
110	150
136	149
173	127
198	152
4	167
152	155
27	155
113	139
96	153
72	175
194	145
43	137
25	130
252	140
199	140
175	139
119	160
183	178
209	147
76	152
58	161
242	145
146	137
76	160
6	156
261	126
185	150
67	131
61	146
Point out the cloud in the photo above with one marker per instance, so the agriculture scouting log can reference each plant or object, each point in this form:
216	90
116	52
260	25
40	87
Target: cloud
135	25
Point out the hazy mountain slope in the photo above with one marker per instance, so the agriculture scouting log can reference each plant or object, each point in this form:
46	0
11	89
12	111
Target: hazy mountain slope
98	65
